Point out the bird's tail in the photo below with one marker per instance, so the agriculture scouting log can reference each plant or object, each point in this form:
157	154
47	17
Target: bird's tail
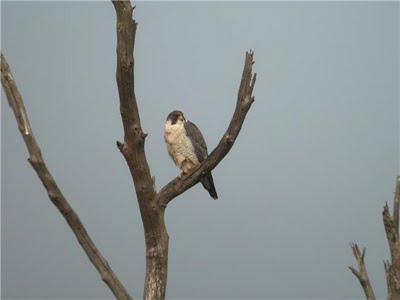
208	183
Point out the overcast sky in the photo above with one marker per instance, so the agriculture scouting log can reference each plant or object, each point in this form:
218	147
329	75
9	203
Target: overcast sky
310	172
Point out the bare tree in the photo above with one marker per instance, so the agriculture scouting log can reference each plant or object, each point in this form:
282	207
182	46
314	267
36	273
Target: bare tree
152	204
392	267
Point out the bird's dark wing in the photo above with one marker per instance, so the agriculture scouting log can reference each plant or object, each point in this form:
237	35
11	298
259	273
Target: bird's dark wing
200	149
197	140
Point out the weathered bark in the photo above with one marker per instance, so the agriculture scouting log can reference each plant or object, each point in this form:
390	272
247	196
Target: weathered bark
362	273
156	235
152	204
396	206
392	267
36	160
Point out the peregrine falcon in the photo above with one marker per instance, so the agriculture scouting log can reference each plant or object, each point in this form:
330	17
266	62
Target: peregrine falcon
187	148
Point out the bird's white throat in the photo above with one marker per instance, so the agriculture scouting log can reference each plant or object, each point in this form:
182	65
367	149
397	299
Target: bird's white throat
173	132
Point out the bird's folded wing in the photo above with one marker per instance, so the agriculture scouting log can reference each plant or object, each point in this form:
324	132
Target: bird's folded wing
198	142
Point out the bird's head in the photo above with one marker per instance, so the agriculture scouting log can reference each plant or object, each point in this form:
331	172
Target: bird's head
176	117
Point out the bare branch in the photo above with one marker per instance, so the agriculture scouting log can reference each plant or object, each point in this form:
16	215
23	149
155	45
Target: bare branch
362	273
392	237
393	268
396	205
55	195
243	104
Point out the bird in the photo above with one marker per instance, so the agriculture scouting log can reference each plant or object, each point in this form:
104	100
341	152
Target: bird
187	147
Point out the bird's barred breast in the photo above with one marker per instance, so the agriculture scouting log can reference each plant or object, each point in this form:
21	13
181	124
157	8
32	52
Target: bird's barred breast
179	145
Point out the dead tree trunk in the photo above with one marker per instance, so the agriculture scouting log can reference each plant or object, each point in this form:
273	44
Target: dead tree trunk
133	150
392	267
152	204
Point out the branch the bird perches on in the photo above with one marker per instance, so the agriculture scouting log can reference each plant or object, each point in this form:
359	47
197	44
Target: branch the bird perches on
152	203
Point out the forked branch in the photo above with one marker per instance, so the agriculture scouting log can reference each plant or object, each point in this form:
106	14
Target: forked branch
244	101
361	273
36	160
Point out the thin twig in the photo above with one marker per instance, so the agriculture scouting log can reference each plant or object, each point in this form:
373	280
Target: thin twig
362	273
55	195
244	101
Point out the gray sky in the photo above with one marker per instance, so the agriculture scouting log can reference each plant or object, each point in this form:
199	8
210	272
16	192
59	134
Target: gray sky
310	172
